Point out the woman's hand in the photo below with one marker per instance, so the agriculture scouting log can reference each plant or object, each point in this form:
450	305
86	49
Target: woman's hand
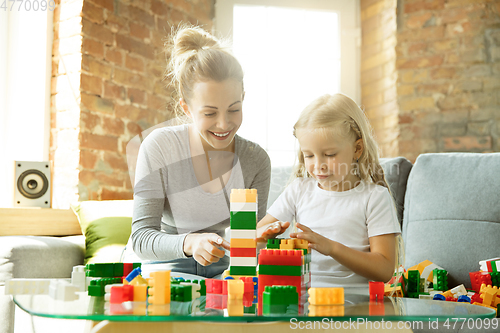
316	241
272	230
205	248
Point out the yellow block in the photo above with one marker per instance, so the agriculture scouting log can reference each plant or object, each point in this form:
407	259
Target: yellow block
140	293
301	244
287	244
234	307
225	274
235	289
159	310
159	293
243	243
243	195
138	280
326	296
326	310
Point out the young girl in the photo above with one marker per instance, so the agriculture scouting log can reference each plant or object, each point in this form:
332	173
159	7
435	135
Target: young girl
339	197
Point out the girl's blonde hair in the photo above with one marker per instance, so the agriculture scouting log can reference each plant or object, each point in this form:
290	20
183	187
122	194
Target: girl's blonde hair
195	55
341	114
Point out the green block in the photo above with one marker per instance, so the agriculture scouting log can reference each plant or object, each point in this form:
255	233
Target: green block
280	295
243	220
440	279
413	281
181	293
273	244
101	270
250	309
242	270
495	279
118	269
280	270
96	287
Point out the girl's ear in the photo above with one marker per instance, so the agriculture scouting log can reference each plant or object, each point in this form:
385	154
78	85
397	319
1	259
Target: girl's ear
184	107
359	146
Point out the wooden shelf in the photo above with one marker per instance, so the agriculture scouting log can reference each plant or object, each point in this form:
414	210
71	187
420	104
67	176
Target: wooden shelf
38	222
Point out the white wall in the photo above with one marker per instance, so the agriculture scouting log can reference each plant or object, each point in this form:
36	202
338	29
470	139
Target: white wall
25	70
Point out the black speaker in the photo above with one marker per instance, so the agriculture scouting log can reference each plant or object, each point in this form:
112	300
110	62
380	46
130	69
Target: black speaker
32	184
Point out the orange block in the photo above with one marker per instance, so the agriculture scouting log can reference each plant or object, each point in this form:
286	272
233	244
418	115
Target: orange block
243	195
287	244
159	291
140	293
326	296
245	243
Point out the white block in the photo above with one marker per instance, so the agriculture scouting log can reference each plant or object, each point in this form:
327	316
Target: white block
495	263
459	290
62	291
27	286
244	233
243	261
243	207
428	270
78	278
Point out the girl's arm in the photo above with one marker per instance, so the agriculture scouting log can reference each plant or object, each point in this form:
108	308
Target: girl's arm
376	265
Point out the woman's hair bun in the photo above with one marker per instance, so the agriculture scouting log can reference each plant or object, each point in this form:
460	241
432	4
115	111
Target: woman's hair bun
192	39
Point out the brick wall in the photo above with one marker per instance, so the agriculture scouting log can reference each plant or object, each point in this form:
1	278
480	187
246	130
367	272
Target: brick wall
378	72
444	56
107	87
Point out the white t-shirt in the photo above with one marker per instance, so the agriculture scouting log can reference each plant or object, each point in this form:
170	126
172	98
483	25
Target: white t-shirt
348	217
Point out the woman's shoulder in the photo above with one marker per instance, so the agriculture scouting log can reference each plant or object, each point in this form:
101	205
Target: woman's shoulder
250	151
167	133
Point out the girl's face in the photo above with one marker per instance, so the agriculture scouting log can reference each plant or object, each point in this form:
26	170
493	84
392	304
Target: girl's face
329	158
216	111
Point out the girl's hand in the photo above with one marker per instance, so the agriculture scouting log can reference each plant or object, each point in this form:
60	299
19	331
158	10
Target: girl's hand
205	248
316	241
271	230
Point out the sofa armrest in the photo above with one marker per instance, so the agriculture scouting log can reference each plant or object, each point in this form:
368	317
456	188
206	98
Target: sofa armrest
39	257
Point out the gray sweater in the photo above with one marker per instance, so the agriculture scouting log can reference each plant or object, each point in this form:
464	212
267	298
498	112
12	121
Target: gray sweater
169	202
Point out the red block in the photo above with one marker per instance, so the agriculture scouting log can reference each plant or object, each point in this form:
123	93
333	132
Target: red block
280	257
127	268
248	284
213	286
241	252
224	287
376	308
376	290
214	301
248	299
120	294
476	298
478	278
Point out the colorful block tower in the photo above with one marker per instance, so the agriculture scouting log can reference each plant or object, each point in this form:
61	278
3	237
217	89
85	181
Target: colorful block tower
243	210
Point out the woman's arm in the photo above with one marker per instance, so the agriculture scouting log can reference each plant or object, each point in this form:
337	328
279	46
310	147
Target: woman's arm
377	265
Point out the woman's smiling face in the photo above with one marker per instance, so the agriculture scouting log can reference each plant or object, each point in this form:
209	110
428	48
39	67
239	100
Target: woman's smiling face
216	111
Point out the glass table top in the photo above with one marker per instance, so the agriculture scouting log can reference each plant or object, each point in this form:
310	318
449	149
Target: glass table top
355	307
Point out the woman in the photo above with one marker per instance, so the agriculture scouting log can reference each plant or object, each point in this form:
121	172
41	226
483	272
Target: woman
185	173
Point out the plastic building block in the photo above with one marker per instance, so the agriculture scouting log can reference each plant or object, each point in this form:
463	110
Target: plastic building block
129	267
280	300
242	270
120	294
326	310
27	286
243	243
78	277
376	290
181	293
234	307
135	272
326	296
287	244
272	280
463	298
244	233
249	285
242	252
478	278
105	270
489	295
138	280
159	310
301	244
476	298
459	290
235	289
243	207
195	289
281	257
439	297
243	261
243	221
140	293
62	291
280	270
414	283
426	269
96	287
495	279
440	279
213	286
243	195
490	265
159	288
273	244
376	308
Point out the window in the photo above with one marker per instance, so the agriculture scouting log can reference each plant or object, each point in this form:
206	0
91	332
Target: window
291	53
25	70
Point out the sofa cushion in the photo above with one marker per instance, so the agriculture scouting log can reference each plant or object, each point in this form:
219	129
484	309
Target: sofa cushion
38	257
452	215
396	172
106	226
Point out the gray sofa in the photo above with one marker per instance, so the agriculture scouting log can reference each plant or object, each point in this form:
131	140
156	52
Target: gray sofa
448	205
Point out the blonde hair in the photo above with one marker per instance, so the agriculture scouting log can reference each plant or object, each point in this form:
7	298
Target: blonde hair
342	115
195	55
